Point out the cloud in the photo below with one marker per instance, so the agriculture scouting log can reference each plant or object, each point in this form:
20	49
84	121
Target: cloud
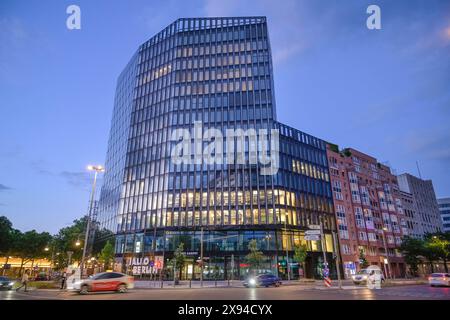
76	179
14	41
4	188
285	22
430	144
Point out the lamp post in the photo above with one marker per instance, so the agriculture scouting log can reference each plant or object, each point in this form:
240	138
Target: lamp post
46	249
96	170
287	252
388	271
69	255
201	257
323	245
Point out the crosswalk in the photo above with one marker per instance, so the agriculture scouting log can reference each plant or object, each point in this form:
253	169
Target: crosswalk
413	294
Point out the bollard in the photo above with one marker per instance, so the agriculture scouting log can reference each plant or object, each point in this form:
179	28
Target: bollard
190	283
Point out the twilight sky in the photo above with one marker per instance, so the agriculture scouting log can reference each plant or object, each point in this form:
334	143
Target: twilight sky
385	92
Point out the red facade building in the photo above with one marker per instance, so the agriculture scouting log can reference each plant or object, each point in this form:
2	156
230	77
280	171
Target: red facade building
369	213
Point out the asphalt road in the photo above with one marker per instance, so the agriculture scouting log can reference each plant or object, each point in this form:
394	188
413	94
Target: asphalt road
407	292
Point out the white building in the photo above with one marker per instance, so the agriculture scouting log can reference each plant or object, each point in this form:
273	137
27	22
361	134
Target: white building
427	218
444	210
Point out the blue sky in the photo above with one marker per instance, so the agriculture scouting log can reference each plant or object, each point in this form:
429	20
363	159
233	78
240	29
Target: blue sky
384	92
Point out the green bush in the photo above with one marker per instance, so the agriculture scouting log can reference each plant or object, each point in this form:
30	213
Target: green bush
44	284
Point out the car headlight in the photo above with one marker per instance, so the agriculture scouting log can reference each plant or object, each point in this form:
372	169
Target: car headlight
11	283
252	281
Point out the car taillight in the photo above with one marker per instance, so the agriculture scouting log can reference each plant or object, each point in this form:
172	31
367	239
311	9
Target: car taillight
131	279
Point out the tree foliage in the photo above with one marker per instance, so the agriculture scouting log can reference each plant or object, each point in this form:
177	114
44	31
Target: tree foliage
255	257
300	254
433	247
363	263
178	260
412	249
106	255
6	235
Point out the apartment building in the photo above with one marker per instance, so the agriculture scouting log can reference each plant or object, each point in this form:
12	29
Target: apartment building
369	212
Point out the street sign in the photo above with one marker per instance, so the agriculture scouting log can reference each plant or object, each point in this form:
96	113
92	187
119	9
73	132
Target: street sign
314	226
313	237
311	232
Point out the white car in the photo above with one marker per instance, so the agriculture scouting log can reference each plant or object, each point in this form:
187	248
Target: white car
105	281
439	279
362	276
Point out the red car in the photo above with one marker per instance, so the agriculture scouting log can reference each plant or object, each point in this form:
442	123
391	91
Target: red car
105	281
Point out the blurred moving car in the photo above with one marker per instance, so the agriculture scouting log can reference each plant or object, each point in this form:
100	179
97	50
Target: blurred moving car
6	283
262	280
439	279
362	276
104	281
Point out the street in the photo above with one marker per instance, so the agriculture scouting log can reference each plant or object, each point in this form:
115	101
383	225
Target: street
407	292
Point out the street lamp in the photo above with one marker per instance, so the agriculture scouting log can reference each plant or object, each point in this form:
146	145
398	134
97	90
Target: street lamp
96	169
287	252
386	261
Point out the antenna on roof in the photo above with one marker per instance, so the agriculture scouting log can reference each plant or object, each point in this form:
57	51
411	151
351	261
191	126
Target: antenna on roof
418	169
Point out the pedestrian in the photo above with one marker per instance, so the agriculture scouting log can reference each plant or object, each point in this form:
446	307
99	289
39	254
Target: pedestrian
371	280
24	282
63	280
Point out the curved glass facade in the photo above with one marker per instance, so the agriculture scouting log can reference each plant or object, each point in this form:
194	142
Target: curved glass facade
217	72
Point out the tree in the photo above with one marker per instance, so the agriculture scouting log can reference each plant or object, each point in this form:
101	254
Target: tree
31	245
439	247
255	258
300	254
362	259
107	255
66	240
430	251
178	261
412	249
5	235
101	237
8	240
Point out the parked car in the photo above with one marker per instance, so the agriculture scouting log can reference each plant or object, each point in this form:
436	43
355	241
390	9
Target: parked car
104	281
6	283
362	276
262	280
42	277
439	279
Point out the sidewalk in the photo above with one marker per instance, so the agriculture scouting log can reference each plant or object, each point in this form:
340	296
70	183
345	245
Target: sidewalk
303	284
195	284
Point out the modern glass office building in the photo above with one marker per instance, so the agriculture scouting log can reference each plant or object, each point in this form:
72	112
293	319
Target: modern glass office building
217	72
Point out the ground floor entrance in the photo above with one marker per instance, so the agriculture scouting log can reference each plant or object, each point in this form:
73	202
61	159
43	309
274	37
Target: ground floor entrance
233	267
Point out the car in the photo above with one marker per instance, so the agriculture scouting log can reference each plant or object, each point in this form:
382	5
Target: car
6	283
439	279
104	281
362	276
262	280
42	277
